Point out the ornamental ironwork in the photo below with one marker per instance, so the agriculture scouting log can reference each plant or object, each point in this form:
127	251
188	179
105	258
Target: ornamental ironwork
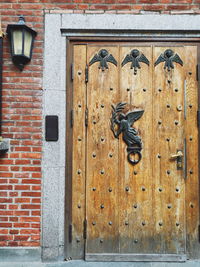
135	57
123	123
169	57
103	57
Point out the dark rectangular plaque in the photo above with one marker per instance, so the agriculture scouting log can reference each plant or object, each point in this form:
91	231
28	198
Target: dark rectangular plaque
51	128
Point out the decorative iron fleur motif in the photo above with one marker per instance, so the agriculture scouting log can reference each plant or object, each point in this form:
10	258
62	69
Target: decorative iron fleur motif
103	57
135	57
130	134
169	57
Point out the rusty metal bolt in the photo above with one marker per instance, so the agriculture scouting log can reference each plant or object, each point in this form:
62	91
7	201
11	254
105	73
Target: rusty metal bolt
127	189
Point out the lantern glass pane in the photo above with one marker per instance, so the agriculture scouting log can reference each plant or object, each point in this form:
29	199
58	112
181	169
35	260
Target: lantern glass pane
27	43
17	42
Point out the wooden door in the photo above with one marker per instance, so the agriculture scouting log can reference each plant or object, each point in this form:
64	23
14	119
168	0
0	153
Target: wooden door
134	165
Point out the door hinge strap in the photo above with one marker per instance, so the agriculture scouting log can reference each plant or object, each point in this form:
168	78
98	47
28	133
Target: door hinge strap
199	233
197	72
198	118
72	118
185	158
86	117
70	233
85	229
86	74
72	72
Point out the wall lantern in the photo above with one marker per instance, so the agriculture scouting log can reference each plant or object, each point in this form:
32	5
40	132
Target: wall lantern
21	39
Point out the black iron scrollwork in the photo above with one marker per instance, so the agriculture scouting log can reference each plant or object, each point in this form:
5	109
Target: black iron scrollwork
135	57
169	57
130	135
103	57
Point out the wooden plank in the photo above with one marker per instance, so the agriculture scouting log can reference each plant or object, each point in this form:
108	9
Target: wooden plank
168	132
102	156
191	134
136	257
135	206
78	152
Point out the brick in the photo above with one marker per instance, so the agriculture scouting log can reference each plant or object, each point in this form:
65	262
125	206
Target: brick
29	244
30	207
154	7
22	200
22	162
22	225
6	174
35	213
4	219
31	181
35	237
3	181
35	225
3	194
3	231
6	225
13	194
21	213
29	219
13	244
14	219
5	237
6	187
6	212
30	232
21	237
31	169
14	232
13	207
6	200
22	187
178	7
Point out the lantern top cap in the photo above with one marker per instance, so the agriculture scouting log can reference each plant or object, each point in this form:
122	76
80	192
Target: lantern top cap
20	25
21	20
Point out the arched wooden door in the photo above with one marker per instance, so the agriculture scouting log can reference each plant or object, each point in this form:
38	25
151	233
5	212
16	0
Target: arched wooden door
135	187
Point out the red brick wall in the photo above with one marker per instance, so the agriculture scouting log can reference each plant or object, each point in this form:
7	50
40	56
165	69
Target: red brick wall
20	169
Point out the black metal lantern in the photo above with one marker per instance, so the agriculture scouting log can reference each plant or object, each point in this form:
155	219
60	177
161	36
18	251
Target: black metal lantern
21	42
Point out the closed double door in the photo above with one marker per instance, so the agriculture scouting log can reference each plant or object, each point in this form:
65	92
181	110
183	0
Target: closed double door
134	153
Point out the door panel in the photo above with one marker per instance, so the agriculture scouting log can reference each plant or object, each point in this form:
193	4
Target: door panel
168	127
102	157
135	204
152	207
78	151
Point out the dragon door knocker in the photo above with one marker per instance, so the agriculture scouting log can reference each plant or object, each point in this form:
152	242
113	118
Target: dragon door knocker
130	134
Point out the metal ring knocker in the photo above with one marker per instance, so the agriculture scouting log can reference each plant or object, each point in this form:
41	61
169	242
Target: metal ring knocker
134	151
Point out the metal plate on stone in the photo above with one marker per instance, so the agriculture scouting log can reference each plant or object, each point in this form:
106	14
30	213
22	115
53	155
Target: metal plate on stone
51	128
